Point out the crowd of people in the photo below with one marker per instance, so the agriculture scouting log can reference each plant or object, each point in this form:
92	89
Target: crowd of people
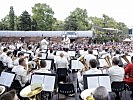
24	59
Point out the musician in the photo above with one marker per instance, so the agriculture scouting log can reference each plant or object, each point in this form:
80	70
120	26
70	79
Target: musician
3	56
50	54
30	52
42	69
129	73
115	72
61	62
10	95
9	61
66	42
16	61
89	56
22	75
93	70
44	43
101	93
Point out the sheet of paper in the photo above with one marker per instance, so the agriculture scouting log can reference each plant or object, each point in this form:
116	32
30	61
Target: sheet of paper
105	81
102	62
74	64
48	62
37	79
49	83
7	78
92	82
43	55
71	53
95	52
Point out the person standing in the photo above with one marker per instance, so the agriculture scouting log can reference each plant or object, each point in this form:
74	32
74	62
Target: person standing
44	44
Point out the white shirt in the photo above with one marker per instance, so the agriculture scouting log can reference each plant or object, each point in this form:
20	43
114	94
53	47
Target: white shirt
61	63
9	62
16	62
42	70
21	74
3	57
50	56
44	44
88	57
116	73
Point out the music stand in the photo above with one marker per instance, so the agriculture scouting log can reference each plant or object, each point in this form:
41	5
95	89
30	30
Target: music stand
96	80
48	80
7	78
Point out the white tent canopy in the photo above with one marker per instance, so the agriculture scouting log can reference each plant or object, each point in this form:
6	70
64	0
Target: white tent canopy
127	40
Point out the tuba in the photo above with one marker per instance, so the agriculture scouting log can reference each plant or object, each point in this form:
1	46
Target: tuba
86	67
107	59
125	58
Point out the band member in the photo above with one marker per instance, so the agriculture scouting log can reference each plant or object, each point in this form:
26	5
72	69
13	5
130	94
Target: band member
66	42
44	43
129	73
21	72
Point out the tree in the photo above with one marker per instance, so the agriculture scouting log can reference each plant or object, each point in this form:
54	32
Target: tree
43	15
5	23
11	18
24	23
78	20
58	25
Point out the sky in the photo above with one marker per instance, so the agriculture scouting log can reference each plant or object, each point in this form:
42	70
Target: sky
120	10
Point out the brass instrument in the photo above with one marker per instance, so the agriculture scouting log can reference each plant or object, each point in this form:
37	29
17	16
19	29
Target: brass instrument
2	89
86	67
90	97
107	59
32	91
125	58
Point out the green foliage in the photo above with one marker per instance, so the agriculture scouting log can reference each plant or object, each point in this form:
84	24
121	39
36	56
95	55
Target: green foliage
78	20
5	23
24	22
58	25
11	18
43	15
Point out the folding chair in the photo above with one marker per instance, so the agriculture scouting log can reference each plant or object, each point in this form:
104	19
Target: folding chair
118	87
62	74
67	89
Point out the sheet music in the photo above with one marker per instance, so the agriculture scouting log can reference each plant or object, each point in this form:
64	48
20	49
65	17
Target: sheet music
105	81
71	53
48	62
6	79
95	52
37	79
102	62
92	82
76	64
49	82
96	81
43	55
